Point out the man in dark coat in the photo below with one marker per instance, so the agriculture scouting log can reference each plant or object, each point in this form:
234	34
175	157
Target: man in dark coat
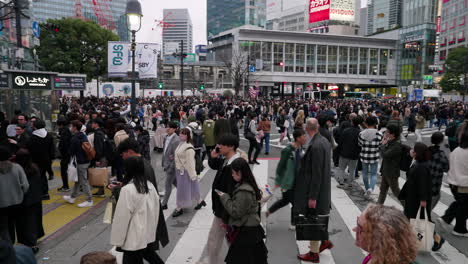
221	126
99	142
349	150
313	185
42	149
391	157
64	145
130	148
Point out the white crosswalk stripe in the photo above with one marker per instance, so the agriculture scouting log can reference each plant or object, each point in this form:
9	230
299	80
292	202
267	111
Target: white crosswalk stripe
189	247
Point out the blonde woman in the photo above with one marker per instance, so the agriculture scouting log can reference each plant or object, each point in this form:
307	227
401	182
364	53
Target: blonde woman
188	189
300	119
386	234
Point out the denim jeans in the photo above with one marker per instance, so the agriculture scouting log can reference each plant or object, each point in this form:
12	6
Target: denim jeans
442	121
369	175
266	138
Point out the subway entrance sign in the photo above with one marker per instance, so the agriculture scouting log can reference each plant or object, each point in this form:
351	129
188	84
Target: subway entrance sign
70	82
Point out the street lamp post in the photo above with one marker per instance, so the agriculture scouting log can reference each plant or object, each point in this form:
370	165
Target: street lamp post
134	14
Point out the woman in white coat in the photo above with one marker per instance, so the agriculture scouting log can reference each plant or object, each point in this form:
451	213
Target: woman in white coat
136	216
188	189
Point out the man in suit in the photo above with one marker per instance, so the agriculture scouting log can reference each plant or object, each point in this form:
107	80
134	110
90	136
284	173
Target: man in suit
171	142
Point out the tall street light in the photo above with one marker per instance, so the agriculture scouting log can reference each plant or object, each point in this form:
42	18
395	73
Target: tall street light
134	15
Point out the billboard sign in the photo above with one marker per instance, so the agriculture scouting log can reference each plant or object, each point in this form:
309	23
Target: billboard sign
319	10
70	82
31	81
342	10
119	59
147	54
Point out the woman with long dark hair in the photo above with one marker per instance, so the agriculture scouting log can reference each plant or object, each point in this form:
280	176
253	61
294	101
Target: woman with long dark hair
136	216
28	216
244	232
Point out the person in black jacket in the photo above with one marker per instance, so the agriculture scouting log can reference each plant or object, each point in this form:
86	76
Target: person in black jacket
28	215
100	161
42	149
349	150
64	145
82	164
220	159
221	127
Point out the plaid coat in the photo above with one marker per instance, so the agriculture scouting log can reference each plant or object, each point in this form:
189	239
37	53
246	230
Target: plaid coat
437	166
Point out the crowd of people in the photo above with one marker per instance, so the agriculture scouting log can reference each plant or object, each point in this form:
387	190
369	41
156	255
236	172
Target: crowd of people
330	138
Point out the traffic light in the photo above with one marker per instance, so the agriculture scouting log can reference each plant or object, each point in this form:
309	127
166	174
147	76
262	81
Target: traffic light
160	85
202	86
52	27
281	64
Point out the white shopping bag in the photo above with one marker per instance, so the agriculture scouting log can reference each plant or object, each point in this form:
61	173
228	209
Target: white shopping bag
424	230
72	171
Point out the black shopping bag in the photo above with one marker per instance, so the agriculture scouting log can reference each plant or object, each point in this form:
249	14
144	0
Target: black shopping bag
311	227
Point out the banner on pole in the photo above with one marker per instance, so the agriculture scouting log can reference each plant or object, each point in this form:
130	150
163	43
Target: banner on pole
117	58
147	57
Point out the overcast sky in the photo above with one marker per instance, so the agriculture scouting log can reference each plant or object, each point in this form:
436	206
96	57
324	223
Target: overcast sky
153	9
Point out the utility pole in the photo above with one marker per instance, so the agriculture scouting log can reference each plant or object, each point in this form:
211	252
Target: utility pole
248	74
16	6
182	68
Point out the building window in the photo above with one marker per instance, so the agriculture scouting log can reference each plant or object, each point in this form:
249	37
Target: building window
462	21
300	57
289	57
383	62
266	55
332	59
374	60
278	60
461	36
343	67
321	59
363	57
353	60
442	55
310	64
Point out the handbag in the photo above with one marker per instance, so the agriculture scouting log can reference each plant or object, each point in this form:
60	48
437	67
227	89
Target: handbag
72	171
424	231
98	177
311	227
249	135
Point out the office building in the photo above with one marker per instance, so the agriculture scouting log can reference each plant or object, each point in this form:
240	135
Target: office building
452	27
383	15
417	42
363	22
299	61
292	19
179	29
223	15
106	13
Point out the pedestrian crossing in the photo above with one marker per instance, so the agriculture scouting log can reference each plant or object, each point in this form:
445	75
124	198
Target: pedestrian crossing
347	206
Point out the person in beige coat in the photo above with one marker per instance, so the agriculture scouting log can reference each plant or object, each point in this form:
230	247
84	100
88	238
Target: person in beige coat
136	216
188	189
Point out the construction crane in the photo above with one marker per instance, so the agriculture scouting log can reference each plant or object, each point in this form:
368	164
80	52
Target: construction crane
103	13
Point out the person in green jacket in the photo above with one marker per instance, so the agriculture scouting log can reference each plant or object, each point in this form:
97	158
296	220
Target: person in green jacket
287	169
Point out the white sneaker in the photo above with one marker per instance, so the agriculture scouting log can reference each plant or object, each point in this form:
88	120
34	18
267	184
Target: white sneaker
85	204
69	199
369	192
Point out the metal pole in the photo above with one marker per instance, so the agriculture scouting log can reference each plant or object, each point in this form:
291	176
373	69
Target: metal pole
182	68
97	86
133	74
248	73
19	43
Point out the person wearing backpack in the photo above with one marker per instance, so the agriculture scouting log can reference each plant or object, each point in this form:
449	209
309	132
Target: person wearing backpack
391	157
188	188
99	143
82	164
197	142
208	135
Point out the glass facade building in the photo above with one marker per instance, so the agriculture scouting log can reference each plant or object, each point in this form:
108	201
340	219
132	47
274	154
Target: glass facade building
383	15
223	15
417	41
112	14
453	27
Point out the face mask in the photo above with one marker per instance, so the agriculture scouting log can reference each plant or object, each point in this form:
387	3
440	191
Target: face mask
183	137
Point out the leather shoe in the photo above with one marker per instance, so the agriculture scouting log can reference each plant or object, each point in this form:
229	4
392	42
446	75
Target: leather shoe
200	205
437	246
177	213
310	257
327	244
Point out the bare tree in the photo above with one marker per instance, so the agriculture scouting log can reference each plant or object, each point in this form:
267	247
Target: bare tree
237	68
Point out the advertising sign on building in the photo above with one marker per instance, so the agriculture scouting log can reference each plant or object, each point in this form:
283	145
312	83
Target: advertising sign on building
171	47
118	89
64	82
342	10
31	81
117	58
319	10
147	54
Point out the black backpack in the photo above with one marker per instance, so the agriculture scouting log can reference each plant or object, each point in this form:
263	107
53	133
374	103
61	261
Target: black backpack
198	161
109	149
198	139
451	130
406	159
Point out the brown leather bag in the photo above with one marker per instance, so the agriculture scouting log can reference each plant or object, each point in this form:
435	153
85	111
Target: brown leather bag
89	150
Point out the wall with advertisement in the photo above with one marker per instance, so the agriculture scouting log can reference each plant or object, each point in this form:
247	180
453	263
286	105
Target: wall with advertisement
341	10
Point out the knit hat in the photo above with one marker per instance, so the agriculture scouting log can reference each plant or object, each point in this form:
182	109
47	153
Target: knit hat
5	153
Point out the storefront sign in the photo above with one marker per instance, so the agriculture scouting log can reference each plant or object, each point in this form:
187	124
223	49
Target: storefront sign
342	10
69	83
31	81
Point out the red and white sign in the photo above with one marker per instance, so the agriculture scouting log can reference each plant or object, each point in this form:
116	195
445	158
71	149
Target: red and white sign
319	10
439	20
342	10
